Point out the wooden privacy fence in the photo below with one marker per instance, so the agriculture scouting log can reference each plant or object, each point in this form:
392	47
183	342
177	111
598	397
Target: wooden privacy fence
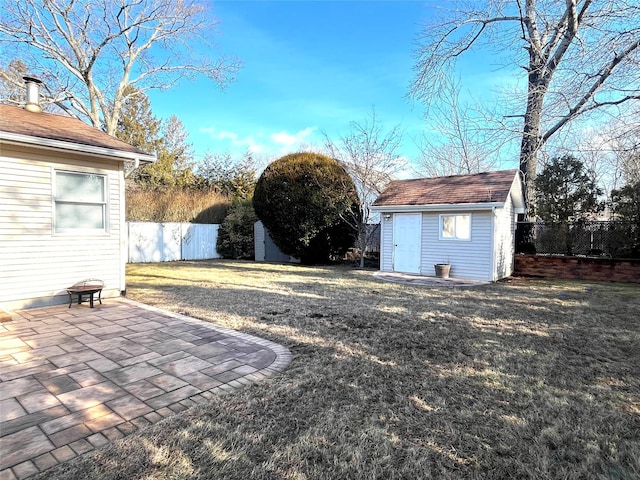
166	242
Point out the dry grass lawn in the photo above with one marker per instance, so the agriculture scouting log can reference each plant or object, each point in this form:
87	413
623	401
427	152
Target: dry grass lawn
521	379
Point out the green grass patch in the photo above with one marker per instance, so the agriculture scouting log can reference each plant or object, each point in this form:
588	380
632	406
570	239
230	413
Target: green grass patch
519	379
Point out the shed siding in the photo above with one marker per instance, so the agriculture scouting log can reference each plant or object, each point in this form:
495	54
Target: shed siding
504	243
37	264
259	245
386	244
469	259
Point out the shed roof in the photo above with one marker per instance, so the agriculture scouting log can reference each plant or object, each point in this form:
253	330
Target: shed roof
488	187
17	123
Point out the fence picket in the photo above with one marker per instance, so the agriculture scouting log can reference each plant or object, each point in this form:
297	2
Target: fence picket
165	242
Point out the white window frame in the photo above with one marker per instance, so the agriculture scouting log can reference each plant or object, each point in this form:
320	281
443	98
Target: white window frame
455	237
104	204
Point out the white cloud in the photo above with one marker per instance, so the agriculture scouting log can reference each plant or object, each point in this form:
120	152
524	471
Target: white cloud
228	135
246	143
288	140
261	142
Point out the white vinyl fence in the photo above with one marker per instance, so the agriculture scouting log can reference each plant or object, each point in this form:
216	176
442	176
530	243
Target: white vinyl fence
165	242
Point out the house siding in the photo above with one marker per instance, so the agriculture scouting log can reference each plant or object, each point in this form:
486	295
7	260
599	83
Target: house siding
37	264
468	259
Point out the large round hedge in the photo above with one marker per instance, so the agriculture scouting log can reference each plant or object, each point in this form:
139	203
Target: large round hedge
309	205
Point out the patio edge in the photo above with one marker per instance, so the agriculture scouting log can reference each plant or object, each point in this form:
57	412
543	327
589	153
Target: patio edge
283	355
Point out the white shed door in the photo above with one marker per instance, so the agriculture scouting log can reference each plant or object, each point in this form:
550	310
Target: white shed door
407	231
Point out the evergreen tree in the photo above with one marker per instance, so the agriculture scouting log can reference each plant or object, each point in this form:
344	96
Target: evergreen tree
566	192
626	208
138	126
309	205
566	195
236	179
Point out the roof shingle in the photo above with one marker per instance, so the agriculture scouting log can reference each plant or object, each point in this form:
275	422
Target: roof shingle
19	121
488	187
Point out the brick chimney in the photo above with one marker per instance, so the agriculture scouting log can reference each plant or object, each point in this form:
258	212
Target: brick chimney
33	94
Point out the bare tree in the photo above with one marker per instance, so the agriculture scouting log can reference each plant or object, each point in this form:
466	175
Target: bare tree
460	140
11	82
609	150
88	52
579	56
628	157
370	156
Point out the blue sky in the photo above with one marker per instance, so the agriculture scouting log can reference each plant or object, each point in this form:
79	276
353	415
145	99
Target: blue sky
308	67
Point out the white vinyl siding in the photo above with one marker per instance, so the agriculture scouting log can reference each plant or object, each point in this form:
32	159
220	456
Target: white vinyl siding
504	240
37	264
468	259
386	243
259	245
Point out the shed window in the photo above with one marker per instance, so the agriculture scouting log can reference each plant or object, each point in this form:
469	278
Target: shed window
455	227
80	202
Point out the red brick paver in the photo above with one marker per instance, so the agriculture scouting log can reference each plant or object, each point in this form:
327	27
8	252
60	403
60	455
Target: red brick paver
72	380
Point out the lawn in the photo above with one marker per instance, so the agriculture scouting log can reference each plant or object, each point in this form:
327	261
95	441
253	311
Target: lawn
520	379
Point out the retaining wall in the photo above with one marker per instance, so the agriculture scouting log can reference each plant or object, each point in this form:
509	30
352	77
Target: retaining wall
581	268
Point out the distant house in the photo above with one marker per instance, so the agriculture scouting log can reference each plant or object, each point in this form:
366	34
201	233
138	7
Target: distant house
467	221
62	215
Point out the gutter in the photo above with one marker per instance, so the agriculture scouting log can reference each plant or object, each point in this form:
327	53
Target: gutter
457	207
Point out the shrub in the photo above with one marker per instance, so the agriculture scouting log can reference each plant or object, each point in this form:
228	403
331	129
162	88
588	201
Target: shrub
309	205
235	236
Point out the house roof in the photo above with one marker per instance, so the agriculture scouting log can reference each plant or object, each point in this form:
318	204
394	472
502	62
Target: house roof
57	131
480	188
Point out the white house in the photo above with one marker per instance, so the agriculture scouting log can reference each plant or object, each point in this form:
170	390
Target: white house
467	221
62	216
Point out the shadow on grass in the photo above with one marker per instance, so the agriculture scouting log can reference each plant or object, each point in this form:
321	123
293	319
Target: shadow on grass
252	266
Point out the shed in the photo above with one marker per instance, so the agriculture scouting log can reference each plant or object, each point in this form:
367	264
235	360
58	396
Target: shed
265	249
62	215
466	221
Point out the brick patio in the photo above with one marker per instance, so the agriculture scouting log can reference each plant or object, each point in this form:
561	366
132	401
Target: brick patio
74	379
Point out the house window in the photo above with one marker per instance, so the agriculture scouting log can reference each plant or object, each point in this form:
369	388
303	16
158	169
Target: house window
80	202
455	227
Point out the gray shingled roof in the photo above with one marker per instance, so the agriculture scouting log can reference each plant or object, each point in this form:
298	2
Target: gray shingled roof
489	187
19	121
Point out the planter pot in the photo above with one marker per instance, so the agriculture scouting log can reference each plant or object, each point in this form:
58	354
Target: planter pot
442	270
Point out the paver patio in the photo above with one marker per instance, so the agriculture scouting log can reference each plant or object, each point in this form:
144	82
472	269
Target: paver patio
74	379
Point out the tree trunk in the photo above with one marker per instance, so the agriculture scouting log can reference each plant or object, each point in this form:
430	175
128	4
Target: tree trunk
531	137
363	241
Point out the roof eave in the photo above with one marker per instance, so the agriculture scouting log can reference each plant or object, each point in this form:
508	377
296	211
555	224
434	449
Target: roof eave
458	207
52	144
